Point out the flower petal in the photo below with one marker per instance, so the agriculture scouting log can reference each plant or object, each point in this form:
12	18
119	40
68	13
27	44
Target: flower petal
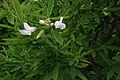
61	18
57	23
42	22
63	26
33	29
60	25
28	28
25	32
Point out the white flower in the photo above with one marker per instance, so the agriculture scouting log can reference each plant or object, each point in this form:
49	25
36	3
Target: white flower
28	30
52	24
42	22
59	24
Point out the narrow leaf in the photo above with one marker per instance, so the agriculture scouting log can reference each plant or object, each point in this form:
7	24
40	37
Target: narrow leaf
48	76
18	10
32	73
110	73
105	58
80	74
57	36
15	68
72	36
65	12
118	77
6	26
50	7
60	77
55	72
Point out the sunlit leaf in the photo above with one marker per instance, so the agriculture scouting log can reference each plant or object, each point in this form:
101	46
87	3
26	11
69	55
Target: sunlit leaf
10	18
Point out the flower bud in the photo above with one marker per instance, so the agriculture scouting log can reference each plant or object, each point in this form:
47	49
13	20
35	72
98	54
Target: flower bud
52	24
42	22
40	34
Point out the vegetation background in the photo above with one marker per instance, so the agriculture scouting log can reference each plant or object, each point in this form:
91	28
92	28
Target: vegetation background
87	49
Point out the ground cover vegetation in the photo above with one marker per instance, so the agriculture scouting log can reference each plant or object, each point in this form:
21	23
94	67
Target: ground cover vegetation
59	39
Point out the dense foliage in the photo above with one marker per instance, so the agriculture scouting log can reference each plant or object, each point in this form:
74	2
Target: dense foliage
87	49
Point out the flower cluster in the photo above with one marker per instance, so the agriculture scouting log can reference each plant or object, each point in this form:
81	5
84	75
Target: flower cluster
28	29
57	24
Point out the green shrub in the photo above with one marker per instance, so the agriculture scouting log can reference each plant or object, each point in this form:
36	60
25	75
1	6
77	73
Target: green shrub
87	49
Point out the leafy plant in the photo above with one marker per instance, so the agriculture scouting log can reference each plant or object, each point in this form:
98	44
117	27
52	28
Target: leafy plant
86	49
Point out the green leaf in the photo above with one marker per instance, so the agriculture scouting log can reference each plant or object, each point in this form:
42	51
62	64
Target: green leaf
105	58
73	73
114	9
55	72
110	73
72	36
81	49
5	4
48	76
80	74
65	12
56	18
50	7
113	47
2	78
15	68
18	10
26	49
6	26
116	58
93	54
57	36
80	38
87	52
82	65
118	77
45	11
38	16
32	73
66	44
60	77
10	18
8	73
2	13
66	53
